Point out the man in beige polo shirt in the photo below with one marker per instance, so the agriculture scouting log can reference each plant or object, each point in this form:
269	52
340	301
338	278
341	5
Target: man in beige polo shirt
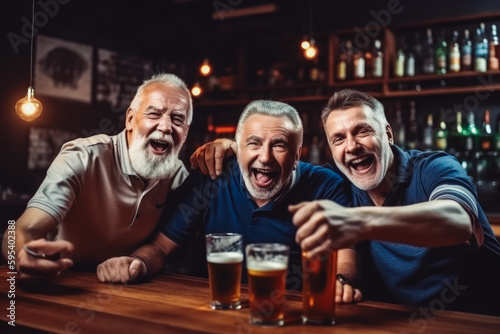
103	195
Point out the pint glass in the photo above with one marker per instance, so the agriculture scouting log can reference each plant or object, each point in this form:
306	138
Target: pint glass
318	288
267	266
224	258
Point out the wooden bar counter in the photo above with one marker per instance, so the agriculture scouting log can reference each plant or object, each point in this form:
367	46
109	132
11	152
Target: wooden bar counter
78	303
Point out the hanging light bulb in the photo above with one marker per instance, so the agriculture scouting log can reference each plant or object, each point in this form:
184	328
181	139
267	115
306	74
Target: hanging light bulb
311	52
196	90
305	44
29	108
205	68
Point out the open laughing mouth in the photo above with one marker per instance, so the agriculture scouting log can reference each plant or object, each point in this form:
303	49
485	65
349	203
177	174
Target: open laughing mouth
263	177
362	165
159	146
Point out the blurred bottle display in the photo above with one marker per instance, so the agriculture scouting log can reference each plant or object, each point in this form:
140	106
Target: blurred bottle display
349	60
486	142
466	52
480	50
412	137
428	134
428	62
493	50
455	137
378	63
440	54
454	53
441	133
342	66
418	54
368	62
471	134
399	63
399	128
359	65
410	63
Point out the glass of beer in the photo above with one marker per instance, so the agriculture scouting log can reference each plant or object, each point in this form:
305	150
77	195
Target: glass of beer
318	288
267	266
224	258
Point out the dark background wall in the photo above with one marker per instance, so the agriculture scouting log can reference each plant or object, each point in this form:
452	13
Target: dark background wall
181	31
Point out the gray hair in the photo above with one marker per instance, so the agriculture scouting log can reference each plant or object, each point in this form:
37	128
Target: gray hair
271	108
348	98
169	80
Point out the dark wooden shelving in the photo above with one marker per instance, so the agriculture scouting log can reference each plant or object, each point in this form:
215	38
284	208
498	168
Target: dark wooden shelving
429	77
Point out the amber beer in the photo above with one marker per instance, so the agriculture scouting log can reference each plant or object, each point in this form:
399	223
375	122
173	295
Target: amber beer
318	290
224	272
267	266
267	292
224	260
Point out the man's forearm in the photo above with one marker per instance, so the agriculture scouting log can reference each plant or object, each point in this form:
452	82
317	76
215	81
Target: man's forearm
429	224
348	265
153	258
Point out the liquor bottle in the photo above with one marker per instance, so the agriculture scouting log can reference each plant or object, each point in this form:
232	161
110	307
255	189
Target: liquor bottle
349	61
378	63
314	72
359	65
493	59
412	141
454	53
480	51
428	62
427	135
455	139
368	62
399	63
496	140
440	54
486	141
410	63
441	136
342	66
418	54
471	135
399	128
466	52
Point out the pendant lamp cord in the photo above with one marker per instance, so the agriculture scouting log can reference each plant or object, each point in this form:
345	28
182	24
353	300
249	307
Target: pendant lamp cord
32	33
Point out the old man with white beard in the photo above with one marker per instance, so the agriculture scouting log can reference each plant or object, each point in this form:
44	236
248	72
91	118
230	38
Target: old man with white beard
103	195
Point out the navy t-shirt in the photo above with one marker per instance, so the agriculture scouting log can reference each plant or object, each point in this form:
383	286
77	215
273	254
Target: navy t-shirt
224	205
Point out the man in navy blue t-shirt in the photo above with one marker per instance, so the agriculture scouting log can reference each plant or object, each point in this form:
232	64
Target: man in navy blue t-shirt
251	197
423	236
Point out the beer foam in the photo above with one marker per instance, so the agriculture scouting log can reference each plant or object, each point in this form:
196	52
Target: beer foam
265	265
226	257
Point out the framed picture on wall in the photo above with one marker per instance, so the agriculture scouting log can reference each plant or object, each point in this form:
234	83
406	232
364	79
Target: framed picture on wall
63	69
45	144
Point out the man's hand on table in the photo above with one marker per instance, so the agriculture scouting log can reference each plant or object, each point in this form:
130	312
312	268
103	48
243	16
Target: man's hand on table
347	294
123	269
37	260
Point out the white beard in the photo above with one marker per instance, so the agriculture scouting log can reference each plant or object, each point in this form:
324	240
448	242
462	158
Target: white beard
261	193
148	165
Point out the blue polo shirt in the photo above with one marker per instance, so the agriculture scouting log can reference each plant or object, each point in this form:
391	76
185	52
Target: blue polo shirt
224	205
408	274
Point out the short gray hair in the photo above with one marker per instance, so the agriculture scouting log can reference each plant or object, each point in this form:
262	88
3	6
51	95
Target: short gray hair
271	108
169	80
348	98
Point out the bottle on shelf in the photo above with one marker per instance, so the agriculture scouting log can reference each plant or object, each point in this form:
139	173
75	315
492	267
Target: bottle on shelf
471	135
359	64
441	54
399	63
428	61
341	74
428	134
368	62
410	63
496	140
466	52
454	55
441	135
349	61
418	54
486	141
412	138
480	50
493	58
399	128
455	139
378	60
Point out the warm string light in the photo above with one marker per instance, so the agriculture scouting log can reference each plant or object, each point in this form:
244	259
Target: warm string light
311	52
305	44
196	90
205	68
29	108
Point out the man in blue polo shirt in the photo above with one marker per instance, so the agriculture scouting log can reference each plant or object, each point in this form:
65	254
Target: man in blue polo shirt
423	236
250	197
